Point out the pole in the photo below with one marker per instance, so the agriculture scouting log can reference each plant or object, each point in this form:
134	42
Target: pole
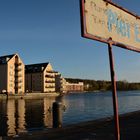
114	93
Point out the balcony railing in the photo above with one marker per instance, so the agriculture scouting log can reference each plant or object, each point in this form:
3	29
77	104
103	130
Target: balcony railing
49	76
18	69
50	71
49	81
49	86
18	81
18	75
18	86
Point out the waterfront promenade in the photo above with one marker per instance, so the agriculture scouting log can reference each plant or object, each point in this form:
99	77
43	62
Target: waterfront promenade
102	129
29	96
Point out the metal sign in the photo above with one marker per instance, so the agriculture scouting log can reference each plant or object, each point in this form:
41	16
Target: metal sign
103	20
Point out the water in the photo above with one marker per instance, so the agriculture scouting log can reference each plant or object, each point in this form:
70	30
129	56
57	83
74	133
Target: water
21	116
92	106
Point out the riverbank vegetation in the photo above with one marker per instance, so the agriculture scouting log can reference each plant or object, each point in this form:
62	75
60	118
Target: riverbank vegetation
96	85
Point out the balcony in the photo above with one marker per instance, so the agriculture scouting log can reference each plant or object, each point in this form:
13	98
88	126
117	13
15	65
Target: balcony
18	64
49	81
18	86
50	86
18	75
50	71
49	76
18	81
18	69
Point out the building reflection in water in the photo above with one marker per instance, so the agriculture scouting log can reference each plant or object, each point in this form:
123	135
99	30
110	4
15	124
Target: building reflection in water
3	118
34	114
15	116
21	116
11	120
48	111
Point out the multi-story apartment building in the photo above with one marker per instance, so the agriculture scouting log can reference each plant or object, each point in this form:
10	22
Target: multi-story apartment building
72	87
12	74
39	78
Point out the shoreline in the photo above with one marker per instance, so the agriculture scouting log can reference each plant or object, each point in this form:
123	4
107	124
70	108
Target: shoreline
99	91
43	95
29	96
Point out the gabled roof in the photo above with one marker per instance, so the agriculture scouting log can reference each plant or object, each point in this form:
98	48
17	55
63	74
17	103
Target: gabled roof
6	58
33	68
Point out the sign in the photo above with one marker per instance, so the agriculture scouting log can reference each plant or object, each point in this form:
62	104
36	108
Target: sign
102	20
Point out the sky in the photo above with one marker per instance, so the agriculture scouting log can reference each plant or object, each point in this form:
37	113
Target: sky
49	31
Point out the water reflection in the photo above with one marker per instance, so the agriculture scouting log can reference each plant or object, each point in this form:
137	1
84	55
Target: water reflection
48	112
3	119
11	120
20	116
34	114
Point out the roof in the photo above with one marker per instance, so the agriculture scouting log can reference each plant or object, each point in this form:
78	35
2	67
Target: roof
6	58
33	68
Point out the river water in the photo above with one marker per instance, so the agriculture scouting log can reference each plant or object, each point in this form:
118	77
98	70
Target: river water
21	116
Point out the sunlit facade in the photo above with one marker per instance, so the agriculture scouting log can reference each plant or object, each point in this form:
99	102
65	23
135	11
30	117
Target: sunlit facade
40	78
12	74
72	87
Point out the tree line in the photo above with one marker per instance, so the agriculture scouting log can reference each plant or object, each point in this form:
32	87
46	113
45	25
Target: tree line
95	85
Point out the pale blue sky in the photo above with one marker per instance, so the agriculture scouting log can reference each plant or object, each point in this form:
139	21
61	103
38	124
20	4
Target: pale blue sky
49	31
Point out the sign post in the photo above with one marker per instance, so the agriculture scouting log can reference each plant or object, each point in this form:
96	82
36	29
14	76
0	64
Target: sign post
107	22
114	93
